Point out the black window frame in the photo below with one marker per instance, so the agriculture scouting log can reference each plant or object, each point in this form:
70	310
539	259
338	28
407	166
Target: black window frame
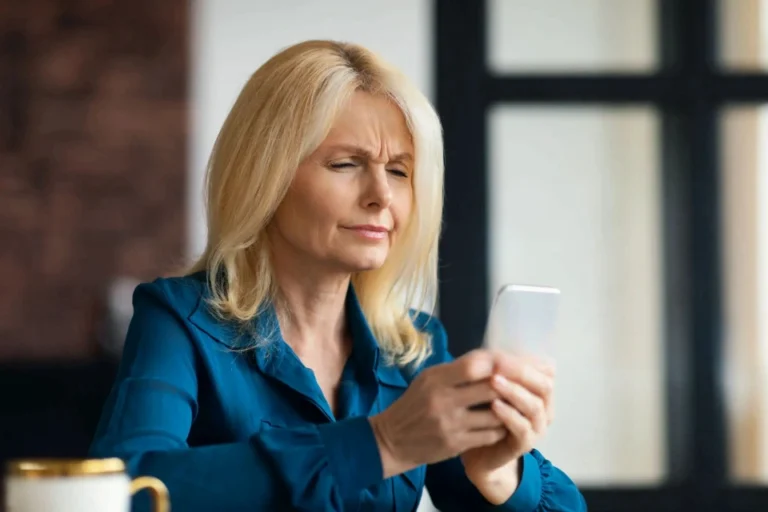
688	90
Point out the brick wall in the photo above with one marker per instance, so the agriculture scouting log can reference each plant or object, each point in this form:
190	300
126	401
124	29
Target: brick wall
93	130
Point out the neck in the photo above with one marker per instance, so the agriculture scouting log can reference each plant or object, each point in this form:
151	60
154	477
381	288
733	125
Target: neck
311	309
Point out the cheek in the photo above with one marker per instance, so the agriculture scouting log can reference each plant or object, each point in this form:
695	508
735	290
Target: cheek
325	207
305	217
401	208
310	211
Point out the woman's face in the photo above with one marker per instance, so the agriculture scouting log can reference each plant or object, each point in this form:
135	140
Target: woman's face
352	197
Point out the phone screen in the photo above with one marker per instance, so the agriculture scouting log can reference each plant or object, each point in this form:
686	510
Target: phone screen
523	320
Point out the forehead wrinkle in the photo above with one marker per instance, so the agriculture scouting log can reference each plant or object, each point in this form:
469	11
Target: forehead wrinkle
361	151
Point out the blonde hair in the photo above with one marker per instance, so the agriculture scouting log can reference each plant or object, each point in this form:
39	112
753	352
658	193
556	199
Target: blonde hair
281	116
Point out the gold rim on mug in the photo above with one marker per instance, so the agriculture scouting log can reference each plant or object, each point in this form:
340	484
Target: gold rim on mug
41	468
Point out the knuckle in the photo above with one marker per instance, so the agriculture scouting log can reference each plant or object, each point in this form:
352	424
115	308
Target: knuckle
514	369
552	370
476	352
475	363
467	363
548	386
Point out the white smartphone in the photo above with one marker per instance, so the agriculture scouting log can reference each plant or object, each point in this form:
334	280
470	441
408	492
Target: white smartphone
523	319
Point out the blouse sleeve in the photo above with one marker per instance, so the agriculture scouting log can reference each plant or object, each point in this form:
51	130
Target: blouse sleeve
148	416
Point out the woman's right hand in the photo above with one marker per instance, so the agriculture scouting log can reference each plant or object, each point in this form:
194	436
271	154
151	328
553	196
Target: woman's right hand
433	420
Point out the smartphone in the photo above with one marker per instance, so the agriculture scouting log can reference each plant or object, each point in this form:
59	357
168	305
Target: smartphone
523	319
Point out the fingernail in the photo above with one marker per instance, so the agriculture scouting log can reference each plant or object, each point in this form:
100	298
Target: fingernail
501	380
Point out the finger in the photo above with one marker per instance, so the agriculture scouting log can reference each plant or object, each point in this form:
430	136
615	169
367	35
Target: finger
542	363
526	403
517	369
471	367
476	438
474	394
517	425
482	420
545	366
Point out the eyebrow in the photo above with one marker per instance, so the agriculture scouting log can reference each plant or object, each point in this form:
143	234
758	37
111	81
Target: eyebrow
360	151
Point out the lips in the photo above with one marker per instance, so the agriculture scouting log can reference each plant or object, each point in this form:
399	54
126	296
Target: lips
370	227
370	232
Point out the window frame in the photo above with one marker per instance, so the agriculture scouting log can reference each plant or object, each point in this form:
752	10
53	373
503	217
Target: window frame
689	90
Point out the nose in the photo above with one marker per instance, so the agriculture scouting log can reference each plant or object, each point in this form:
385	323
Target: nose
378	191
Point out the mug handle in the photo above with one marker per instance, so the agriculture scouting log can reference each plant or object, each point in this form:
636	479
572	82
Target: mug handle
156	488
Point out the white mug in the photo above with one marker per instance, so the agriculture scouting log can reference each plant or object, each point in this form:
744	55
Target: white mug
88	485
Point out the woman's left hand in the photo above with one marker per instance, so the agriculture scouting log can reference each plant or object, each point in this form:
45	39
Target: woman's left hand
525	407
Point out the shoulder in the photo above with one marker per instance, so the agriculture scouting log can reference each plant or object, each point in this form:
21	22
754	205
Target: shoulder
158	340
180	295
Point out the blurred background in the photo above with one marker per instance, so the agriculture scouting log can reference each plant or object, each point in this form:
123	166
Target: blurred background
617	149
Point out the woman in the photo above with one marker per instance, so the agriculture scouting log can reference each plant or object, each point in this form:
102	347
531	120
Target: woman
286	370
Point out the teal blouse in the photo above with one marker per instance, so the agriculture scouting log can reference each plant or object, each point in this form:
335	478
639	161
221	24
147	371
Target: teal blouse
227	429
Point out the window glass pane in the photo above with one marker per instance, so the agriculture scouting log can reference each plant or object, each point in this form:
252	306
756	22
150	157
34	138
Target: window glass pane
560	36
745	220
744	34
574	203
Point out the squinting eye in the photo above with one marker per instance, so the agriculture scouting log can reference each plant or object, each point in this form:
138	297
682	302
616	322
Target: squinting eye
342	165
399	172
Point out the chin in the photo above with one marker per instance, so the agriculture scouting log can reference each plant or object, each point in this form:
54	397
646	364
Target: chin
369	260
362	266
